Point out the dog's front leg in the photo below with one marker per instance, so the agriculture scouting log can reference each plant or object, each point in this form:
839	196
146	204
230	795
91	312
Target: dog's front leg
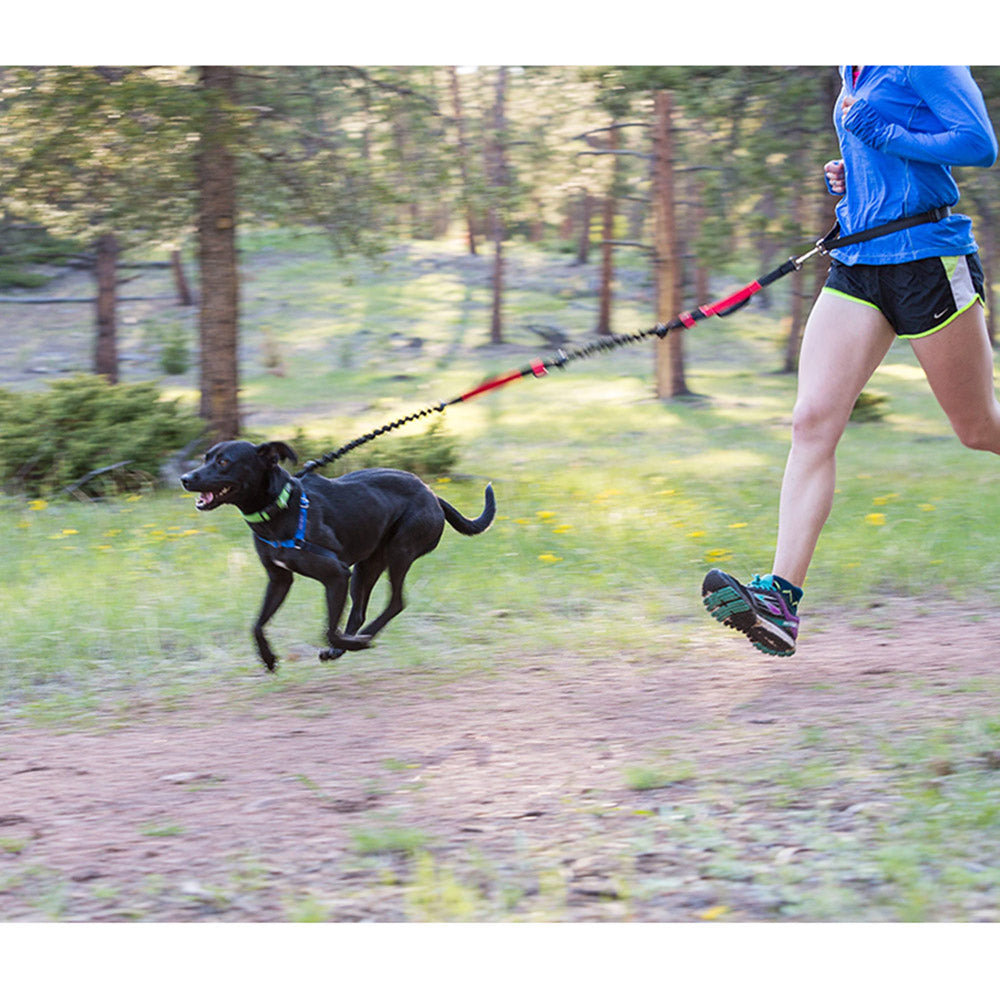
336	584
279	582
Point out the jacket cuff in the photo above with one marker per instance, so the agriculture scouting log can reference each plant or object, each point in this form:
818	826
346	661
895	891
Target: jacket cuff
868	125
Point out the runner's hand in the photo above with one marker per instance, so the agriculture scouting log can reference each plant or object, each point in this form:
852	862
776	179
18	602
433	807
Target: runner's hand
834	171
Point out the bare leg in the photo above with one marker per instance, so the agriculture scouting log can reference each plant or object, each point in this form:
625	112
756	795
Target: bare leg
843	344
958	362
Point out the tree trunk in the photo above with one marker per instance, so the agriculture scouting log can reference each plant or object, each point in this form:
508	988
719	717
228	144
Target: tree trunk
404	183
586	211
498	181
607	236
794	340
463	161
180	279
669	362
496	317
766	247
536	232
219	314
796	322
106	348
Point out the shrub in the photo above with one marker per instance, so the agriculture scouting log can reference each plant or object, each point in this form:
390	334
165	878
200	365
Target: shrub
433	453
870	406
51	440
17	277
172	342
24	247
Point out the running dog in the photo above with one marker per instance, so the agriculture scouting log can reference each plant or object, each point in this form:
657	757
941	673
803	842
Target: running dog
372	520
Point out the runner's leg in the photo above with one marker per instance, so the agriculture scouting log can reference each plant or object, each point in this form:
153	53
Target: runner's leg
844	342
958	362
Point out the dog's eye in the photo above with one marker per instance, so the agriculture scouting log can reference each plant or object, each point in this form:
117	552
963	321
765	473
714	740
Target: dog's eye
223	462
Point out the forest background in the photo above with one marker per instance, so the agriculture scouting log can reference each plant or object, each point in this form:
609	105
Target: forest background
103	166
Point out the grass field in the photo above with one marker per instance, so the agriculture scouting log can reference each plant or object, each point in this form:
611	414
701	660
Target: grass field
611	507
611	504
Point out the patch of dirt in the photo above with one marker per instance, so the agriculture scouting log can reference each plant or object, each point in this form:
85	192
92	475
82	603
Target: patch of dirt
253	805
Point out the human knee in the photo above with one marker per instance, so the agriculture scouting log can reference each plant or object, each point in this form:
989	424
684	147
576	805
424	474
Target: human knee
979	435
815	423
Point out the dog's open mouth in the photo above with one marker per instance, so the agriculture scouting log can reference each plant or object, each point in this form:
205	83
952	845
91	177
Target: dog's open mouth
208	499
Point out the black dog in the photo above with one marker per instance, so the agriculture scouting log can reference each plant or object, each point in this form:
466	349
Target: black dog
373	520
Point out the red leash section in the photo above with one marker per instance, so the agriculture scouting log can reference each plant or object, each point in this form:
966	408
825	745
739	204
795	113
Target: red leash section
536	368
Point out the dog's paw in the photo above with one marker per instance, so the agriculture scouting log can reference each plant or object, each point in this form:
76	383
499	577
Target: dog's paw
346	642
331	654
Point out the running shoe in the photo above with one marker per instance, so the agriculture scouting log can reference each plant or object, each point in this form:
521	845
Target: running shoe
758	610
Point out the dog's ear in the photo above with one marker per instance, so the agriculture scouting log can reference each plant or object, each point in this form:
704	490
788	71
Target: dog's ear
273	452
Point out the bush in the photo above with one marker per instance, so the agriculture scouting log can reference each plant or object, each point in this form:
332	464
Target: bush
51	440
17	277
869	407
24	247
433	453
172	342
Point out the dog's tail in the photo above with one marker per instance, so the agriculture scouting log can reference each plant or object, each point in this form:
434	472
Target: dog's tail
463	524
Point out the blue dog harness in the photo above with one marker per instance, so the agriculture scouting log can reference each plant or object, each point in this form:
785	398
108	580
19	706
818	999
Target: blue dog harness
298	540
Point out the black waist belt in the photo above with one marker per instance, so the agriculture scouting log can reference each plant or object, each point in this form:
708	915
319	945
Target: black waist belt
832	241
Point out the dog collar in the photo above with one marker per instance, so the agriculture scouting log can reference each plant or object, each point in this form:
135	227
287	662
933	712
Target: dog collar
266	513
298	540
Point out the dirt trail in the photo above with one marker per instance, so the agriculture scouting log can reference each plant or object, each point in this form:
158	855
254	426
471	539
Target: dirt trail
250	806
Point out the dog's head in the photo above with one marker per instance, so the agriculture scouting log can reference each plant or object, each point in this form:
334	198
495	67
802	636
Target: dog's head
236	472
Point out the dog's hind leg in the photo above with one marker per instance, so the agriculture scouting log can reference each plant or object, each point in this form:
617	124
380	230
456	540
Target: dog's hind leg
279	582
336	597
397	574
363	580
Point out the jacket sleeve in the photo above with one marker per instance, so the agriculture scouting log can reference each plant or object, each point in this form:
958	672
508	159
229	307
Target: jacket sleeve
968	139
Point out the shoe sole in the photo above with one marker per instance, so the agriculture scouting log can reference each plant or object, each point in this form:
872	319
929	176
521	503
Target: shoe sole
728	606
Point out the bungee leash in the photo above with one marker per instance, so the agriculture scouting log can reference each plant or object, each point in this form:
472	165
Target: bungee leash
723	307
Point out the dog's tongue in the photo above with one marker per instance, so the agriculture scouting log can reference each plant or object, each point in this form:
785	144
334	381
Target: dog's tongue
204	499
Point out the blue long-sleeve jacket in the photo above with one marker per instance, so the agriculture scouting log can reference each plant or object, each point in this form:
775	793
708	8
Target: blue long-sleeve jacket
908	126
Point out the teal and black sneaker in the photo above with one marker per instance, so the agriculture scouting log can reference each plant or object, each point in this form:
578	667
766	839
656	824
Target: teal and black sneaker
760	610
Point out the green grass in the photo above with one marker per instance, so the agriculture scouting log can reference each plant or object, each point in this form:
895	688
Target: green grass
644	777
612	504
388	839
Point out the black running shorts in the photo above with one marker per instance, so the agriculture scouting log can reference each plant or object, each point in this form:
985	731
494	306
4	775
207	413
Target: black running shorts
916	298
